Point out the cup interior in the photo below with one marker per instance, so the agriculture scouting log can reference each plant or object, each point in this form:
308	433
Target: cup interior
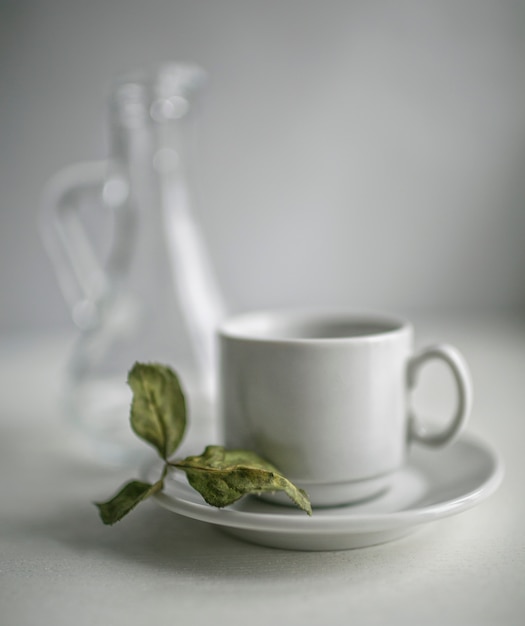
281	326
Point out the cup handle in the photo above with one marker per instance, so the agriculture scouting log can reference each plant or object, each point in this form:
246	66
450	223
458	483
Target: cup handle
461	374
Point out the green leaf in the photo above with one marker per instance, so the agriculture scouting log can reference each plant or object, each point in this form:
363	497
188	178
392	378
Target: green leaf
224	476
125	500
158	409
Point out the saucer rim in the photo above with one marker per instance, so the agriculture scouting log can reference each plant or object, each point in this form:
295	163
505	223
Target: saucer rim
290	520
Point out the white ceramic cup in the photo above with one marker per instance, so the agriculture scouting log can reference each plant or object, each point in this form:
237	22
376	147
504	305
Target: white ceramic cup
324	397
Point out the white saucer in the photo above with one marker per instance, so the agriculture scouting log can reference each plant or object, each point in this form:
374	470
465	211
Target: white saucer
433	485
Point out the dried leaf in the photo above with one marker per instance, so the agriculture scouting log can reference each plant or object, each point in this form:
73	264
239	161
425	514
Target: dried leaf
125	500
158	409
224	476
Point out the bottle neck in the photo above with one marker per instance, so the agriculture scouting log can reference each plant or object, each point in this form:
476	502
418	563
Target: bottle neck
148	115
161	242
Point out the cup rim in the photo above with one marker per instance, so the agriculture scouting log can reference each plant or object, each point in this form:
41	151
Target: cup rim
267	326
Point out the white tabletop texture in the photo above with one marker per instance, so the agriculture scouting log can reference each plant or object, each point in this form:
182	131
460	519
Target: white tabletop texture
59	565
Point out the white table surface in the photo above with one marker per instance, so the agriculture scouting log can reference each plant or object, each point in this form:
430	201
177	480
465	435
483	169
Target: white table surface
59	565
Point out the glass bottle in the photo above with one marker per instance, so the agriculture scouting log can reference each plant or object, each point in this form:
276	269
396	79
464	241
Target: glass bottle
131	261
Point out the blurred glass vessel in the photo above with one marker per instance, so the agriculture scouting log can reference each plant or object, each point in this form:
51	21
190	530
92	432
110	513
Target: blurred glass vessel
130	259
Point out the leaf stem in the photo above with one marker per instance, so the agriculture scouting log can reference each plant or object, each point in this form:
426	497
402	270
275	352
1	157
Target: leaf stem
165	470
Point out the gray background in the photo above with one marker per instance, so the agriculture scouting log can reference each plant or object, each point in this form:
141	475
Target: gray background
366	154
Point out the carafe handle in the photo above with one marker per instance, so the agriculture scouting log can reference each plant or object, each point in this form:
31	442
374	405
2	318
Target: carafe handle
81	275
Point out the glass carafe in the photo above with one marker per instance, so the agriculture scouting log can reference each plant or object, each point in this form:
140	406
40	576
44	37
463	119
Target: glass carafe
131	261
